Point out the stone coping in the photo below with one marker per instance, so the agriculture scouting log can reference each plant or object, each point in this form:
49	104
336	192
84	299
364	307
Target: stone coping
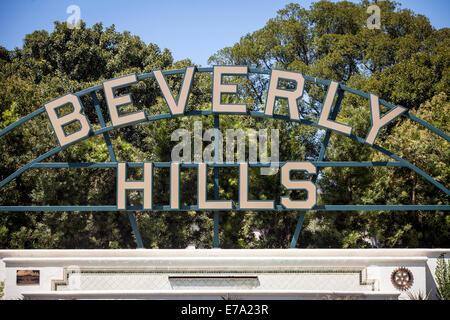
199	260
137	294
235	253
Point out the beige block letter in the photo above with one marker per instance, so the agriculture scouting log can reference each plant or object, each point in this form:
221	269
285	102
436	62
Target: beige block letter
219	89
123	185
203	203
244	203
306	185
175	185
58	123
325	114
291	95
377	122
176	107
113	102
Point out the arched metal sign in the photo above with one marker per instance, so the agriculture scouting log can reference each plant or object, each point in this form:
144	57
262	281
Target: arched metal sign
325	121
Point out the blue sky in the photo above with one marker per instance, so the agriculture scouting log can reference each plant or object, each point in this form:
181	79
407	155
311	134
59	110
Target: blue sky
193	29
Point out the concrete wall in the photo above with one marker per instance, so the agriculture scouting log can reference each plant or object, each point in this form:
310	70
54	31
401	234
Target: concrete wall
215	273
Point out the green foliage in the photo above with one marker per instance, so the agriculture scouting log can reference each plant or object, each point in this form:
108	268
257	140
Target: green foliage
406	62
2	287
442	274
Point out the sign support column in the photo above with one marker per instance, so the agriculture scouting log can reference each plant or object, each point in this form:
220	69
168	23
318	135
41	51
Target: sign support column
216	179
325	142
112	155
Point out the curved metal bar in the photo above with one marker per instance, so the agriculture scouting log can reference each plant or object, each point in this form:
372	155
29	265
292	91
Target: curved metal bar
414	168
428	126
22	120
29	165
251	70
255	113
234	208
322	164
209	112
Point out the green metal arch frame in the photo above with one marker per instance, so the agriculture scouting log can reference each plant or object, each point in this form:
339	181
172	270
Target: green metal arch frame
36	163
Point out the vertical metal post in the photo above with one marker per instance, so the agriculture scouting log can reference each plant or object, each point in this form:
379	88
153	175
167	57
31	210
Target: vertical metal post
216	179
298	228
112	155
323	149
137	235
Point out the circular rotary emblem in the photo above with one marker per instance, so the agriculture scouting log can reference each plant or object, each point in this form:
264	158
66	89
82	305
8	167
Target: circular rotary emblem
402	278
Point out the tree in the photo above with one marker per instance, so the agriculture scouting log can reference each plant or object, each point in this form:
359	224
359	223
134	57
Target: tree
405	63
50	65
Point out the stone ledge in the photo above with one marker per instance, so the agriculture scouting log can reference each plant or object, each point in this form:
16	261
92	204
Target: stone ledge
183	294
221	252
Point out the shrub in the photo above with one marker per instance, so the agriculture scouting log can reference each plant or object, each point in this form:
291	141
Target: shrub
442	274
